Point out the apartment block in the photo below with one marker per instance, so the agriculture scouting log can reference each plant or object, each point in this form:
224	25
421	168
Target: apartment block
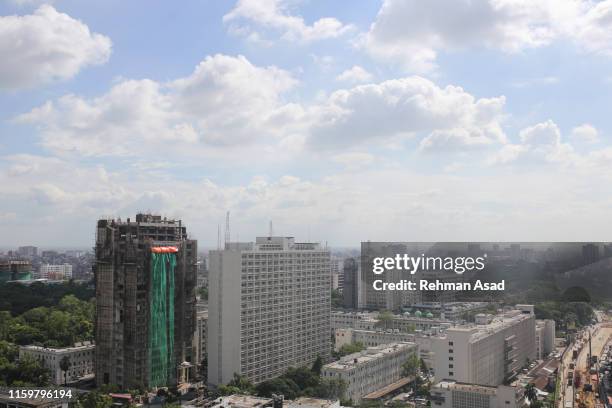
451	394
489	354
145	272
269	308
80	358
370	370
55	272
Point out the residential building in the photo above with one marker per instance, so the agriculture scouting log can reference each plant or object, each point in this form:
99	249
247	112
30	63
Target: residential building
55	272
145	272
80	358
269	308
371	369
28	251
451	394
201	335
351	285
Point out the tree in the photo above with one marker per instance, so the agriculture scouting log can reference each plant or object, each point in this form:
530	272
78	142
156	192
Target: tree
241	383
279	386
317	366
65	366
303	377
530	392
384	318
410	368
331	388
94	399
347	349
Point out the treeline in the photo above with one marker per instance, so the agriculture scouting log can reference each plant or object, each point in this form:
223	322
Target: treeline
18	299
568	315
55	326
43	315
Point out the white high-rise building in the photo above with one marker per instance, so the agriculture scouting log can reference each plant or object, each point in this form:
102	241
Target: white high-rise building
55	272
485	354
269	308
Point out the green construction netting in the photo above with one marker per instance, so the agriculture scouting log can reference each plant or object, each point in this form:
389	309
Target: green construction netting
161	322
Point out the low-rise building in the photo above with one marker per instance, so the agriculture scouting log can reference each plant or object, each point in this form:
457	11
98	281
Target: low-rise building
371	369
371	338
451	394
242	401
80	357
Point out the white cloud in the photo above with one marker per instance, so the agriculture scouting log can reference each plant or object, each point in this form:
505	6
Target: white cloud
585	133
225	101
538	143
413	32
46	46
249	16
449	117
355	74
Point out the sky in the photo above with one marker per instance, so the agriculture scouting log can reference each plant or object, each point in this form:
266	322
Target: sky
479	120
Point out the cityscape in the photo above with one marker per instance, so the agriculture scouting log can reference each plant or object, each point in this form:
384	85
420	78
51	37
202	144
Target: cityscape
146	318
305	204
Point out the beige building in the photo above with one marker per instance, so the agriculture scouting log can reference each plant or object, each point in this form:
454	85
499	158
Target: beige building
269	308
81	358
485	354
370	338
371	369
450	394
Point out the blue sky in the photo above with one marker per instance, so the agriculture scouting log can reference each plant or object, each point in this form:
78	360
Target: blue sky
389	120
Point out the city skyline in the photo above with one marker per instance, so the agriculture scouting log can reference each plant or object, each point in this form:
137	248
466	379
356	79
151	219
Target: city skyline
339	124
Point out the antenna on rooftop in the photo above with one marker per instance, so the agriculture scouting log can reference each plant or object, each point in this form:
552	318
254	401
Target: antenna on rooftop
219	237
227	230
271	230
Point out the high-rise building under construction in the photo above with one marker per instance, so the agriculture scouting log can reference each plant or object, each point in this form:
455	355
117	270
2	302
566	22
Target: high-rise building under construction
145	273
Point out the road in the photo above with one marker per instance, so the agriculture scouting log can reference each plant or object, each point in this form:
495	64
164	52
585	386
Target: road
600	335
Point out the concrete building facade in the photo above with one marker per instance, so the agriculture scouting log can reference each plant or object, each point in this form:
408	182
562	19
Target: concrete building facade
145	272
371	369
488	354
269	308
80	357
450	394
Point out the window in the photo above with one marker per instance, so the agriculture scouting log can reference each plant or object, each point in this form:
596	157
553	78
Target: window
450	373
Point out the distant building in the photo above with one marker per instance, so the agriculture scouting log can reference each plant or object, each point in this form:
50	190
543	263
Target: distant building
201	335
81	358
451	394
145	272
28	251
55	272
351	278
545	338
15	270
370	370
269	308
307	402
590	253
